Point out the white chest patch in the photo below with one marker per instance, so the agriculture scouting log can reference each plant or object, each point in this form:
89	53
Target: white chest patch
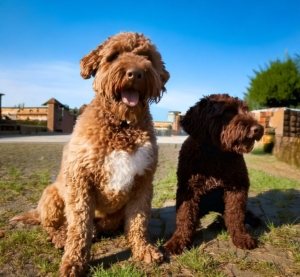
122	166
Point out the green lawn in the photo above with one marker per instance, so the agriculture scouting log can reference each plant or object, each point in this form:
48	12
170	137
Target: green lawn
25	170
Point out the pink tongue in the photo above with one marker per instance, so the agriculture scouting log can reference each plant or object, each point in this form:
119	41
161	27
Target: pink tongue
130	97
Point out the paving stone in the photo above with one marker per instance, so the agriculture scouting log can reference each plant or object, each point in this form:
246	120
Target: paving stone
241	273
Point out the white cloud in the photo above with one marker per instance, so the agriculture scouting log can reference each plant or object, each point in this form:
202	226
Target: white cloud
181	100
34	84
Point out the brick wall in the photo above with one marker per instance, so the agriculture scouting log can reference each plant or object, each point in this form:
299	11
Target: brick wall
287	149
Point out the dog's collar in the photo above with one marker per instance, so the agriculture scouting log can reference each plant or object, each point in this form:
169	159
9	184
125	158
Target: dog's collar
124	123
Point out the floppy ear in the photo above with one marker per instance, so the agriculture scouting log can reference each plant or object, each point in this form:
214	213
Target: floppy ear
195	121
164	76
89	63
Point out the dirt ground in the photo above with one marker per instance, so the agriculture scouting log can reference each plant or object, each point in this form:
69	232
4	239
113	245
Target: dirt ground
32	159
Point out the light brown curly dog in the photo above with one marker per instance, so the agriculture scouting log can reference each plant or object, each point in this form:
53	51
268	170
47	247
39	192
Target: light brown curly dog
108	165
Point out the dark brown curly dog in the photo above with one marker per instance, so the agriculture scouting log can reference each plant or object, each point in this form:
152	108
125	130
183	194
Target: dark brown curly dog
211	163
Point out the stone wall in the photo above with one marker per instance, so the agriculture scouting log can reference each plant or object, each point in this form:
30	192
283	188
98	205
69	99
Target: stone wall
287	149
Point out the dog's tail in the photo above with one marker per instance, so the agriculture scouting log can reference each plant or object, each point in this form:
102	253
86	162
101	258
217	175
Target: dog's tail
31	217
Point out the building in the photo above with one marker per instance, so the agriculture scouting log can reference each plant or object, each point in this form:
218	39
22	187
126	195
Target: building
171	126
58	116
59	119
28	113
283	125
163	128
283	121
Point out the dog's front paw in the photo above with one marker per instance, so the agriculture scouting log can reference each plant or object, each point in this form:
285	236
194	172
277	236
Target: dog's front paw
72	269
149	254
174	246
244	242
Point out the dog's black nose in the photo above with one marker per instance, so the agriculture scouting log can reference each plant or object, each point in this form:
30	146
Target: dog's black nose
257	131
134	74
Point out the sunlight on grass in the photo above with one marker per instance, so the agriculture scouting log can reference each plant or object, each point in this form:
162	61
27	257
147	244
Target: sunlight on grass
265	269
165	189
261	181
27	251
223	235
14	173
285	238
200	263
43	177
125	270
21	246
259	151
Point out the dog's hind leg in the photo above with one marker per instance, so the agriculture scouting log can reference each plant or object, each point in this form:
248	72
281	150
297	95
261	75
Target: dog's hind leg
187	206
234	215
51	212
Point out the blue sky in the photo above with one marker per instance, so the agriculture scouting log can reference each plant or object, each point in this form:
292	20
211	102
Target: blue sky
208	46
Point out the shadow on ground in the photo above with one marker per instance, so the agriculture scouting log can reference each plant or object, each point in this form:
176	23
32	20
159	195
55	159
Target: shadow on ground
274	208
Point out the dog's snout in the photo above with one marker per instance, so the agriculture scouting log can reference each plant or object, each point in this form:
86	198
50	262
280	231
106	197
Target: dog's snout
257	131
134	74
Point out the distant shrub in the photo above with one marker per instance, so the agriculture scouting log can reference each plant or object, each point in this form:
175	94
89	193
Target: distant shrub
32	122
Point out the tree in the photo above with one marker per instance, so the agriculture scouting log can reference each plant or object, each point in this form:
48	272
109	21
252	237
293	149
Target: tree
74	111
276	86
21	106
297	62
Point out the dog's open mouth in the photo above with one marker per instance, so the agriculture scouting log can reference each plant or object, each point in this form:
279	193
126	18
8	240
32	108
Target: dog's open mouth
130	97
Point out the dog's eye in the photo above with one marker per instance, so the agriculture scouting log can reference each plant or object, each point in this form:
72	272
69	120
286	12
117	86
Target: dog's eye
113	57
245	109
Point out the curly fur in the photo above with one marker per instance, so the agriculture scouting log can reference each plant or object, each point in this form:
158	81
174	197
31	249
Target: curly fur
211	168
108	166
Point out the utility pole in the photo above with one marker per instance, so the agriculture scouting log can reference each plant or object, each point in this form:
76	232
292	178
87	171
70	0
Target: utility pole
1	105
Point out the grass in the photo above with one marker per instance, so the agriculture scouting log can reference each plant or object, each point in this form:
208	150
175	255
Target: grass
164	189
29	246
200	263
117	270
26	169
263	268
17	184
223	235
261	181
285	238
